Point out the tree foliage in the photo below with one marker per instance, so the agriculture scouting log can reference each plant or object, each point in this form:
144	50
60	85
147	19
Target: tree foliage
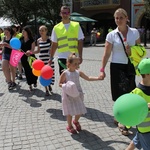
22	11
147	8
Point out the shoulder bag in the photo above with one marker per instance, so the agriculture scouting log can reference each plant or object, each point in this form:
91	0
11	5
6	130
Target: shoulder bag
130	69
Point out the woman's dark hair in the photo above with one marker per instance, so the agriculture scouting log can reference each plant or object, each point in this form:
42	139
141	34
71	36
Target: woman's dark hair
10	30
29	32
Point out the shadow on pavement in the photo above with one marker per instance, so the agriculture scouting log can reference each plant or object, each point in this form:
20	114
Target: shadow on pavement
56	114
53	96
32	102
1	94
96	115
91	141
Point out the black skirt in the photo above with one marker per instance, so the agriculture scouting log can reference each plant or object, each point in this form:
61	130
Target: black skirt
121	81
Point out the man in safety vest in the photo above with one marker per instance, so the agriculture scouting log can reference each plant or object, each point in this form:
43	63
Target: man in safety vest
67	37
142	137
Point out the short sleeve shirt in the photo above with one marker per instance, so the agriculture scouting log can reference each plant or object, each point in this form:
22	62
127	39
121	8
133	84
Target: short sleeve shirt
118	54
54	39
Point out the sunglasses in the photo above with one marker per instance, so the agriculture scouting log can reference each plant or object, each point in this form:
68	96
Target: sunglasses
65	13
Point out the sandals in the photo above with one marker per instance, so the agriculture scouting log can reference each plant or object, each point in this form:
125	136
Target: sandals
46	93
116	122
125	131
71	130
77	124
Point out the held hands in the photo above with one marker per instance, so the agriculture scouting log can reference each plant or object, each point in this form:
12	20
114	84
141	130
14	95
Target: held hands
28	53
102	75
4	44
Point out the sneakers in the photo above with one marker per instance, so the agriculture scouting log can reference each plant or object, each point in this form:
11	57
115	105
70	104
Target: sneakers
35	85
11	85
20	77
30	88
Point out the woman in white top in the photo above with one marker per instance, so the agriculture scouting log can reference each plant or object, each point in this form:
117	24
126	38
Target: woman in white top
121	81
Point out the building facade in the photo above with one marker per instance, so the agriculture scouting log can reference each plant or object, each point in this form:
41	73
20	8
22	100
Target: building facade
103	11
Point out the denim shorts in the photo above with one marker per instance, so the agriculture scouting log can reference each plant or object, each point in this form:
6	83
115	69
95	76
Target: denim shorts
142	140
6	56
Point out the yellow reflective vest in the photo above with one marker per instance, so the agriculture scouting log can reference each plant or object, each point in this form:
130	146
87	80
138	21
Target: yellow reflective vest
137	53
143	127
67	39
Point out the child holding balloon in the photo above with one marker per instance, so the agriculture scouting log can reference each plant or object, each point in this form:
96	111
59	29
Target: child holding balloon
43	48
72	94
142	137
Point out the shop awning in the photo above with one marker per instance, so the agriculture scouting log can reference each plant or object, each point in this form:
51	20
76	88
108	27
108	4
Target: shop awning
80	18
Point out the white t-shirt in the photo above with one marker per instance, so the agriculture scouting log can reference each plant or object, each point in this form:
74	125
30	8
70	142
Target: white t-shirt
54	39
118	54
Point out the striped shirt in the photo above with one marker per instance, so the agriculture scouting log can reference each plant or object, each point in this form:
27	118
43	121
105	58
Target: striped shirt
45	55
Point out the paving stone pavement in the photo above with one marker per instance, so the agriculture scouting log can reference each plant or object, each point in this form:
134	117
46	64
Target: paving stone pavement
31	121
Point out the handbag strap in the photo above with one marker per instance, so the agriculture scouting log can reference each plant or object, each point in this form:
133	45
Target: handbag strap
122	44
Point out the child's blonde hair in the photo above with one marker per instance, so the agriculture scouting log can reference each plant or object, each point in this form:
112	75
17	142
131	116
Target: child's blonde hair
71	58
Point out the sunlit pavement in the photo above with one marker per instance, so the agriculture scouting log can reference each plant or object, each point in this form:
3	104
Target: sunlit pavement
31	121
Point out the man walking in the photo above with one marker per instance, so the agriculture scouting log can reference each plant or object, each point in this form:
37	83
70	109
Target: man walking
67	37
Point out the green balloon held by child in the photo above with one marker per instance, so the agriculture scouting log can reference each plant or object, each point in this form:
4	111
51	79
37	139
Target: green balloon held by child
130	109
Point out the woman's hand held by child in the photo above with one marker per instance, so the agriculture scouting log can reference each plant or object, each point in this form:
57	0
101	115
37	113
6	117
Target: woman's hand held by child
100	78
28	53
102	75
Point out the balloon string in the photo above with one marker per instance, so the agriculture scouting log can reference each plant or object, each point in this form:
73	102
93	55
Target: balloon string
62	65
21	51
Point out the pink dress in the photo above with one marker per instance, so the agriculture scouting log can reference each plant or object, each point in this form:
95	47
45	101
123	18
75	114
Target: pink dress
73	105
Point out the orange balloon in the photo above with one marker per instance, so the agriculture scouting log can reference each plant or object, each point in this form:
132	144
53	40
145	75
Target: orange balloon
36	72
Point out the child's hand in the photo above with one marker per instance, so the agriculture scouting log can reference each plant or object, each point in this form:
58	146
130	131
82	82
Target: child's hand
102	75
100	78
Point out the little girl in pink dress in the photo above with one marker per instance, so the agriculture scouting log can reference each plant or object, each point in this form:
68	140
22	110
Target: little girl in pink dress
72	94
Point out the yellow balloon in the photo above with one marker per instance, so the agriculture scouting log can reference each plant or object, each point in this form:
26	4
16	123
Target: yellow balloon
98	33
36	72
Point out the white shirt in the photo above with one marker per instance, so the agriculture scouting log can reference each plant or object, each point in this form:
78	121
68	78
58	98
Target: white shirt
118	54
54	39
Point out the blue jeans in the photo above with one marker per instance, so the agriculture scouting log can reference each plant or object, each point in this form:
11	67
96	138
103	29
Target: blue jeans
142	140
6	56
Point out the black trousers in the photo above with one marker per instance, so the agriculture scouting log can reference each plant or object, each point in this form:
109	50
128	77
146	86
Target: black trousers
61	64
121	81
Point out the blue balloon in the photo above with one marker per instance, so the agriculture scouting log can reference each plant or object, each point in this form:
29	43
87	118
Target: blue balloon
15	43
45	82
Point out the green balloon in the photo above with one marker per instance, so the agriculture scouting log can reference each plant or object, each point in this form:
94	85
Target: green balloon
130	109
